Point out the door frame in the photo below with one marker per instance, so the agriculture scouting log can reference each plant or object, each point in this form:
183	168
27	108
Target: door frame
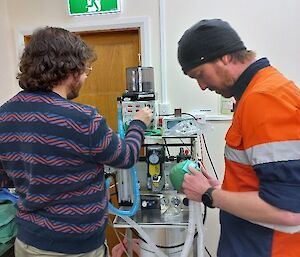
88	26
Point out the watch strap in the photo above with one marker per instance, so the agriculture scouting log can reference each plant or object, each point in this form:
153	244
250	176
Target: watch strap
207	197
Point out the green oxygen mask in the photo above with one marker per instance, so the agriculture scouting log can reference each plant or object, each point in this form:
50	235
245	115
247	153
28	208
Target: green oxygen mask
179	170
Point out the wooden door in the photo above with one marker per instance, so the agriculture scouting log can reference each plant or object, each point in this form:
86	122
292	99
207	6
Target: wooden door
116	50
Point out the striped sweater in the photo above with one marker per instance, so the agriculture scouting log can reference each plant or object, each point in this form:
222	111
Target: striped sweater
54	151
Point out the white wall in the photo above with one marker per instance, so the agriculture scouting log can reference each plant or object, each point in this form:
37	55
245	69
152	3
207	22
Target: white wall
269	27
8	84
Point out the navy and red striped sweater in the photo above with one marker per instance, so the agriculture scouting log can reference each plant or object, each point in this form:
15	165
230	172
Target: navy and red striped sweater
54	151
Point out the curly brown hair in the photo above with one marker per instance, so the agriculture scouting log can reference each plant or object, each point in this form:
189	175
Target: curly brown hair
51	55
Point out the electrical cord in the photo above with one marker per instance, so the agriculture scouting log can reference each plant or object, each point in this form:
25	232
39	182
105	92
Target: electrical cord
204	214
210	160
167	147
206	250
206	149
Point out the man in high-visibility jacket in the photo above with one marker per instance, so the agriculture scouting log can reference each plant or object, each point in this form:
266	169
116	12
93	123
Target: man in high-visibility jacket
259	199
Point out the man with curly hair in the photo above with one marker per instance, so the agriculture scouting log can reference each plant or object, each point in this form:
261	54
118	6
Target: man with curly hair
54	150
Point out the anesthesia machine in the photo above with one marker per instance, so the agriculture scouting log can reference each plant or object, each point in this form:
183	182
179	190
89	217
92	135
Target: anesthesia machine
148	195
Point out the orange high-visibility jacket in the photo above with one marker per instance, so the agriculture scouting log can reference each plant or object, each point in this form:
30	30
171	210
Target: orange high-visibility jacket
262	154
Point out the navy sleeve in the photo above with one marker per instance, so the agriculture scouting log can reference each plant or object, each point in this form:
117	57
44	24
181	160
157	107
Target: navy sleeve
280	184
108	148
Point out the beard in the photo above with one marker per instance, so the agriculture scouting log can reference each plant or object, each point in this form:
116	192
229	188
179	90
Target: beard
227	81
73	89
226	93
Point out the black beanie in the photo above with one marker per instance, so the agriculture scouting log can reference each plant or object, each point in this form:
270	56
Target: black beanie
206	41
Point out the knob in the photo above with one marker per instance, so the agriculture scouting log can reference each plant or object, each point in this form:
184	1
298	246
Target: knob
144	204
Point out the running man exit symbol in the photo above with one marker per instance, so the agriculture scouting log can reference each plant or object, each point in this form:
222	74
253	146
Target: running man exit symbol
93	5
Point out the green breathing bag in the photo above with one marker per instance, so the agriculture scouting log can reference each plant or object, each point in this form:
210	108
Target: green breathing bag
178	171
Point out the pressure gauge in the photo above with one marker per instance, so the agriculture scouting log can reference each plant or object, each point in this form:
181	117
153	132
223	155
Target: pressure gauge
153	158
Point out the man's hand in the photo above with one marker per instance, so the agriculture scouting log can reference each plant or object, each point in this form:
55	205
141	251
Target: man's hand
195	184
145	115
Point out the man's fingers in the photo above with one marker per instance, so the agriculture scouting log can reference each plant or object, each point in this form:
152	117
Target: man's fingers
193	170
206	175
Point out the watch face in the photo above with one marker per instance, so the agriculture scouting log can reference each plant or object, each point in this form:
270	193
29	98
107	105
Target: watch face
153	158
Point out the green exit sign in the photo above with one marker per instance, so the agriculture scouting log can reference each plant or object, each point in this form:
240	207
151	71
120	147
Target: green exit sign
81	7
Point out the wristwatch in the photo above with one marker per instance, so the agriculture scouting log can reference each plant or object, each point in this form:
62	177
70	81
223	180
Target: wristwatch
207	197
